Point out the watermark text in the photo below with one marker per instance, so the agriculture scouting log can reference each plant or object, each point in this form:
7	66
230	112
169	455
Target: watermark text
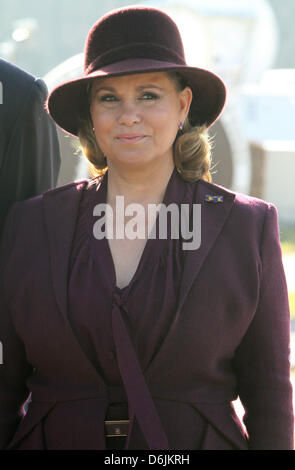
151	222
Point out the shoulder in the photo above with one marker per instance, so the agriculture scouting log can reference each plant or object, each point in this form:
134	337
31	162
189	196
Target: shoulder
69	188
60	193
241	201
21	90
27	216
247	213
15	78
31	206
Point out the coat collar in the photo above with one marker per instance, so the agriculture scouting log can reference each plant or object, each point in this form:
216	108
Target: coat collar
61	208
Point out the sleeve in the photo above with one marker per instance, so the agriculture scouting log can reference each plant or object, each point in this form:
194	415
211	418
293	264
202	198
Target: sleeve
14	368
262	360
33	159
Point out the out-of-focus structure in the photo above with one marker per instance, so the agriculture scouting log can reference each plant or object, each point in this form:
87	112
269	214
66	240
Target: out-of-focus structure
268	117
73	164
254	140
23	31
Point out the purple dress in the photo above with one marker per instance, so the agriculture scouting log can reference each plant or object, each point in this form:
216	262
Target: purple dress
148	303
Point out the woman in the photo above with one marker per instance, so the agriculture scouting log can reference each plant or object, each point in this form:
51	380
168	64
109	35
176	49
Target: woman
143	342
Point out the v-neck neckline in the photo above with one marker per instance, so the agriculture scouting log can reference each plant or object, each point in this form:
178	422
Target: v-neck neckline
150	243
157	243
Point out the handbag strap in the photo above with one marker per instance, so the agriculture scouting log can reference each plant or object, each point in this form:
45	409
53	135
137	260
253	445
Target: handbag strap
140	402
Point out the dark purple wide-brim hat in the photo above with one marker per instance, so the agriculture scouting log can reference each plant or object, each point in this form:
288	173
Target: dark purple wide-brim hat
136	39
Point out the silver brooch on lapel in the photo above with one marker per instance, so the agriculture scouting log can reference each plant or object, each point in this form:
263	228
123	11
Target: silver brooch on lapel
211	198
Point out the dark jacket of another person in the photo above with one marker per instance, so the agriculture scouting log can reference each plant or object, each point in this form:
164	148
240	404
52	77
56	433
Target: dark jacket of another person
29	148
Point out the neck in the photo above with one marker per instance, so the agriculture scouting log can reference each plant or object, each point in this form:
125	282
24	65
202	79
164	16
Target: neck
140	185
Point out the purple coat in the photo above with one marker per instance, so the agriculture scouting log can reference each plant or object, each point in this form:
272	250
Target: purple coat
229	338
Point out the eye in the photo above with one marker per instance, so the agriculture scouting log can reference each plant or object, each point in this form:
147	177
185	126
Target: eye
108	98
149	96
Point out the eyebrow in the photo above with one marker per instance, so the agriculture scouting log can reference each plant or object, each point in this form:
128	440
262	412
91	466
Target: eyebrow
140	87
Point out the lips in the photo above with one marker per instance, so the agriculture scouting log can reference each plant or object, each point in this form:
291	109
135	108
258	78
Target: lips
129	138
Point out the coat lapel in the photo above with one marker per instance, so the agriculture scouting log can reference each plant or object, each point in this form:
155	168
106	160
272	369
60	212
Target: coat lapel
60	213
61	208
213	218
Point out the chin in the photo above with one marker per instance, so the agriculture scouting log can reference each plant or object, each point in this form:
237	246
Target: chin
134	160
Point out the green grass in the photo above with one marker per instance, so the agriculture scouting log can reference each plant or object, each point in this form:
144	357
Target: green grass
287	236
288	247
292	304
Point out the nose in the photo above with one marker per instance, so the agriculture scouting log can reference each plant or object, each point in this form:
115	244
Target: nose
128	114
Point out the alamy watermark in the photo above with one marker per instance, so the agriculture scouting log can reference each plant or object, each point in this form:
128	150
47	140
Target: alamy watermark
185	222
1	93
1	353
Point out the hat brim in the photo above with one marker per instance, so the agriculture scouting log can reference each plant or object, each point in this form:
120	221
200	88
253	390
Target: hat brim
68	101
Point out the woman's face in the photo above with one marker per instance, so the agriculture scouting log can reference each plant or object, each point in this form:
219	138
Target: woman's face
136	117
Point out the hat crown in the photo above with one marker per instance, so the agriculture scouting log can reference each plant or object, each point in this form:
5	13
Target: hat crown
133	32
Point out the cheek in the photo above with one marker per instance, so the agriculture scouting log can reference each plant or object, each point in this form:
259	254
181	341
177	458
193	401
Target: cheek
165	124
101	121
103	127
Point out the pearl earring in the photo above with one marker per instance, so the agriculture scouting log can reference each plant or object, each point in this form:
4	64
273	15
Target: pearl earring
180	127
